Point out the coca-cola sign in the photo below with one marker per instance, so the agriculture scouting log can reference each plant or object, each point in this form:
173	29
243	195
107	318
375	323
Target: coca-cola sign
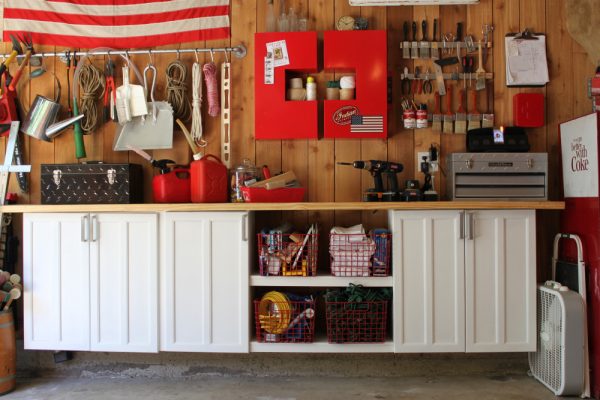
344	115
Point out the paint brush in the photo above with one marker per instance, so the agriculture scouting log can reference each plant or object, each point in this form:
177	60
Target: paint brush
474	117
460	126
437	114
449	116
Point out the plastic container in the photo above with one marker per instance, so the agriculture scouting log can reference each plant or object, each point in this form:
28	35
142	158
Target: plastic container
208	180
282	195
172	187
311	89
356	322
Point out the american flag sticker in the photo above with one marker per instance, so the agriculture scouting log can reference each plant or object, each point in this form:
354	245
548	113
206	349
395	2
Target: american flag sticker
366	124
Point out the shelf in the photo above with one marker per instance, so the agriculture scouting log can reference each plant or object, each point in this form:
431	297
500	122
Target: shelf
320	281
330	206
321	346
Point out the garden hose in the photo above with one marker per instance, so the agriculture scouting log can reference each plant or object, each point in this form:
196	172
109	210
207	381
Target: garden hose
275	312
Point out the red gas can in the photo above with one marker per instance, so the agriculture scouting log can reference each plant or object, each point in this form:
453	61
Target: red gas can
208	180
172	187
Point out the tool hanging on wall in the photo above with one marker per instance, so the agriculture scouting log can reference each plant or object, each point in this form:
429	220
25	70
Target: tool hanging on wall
110	91
212	91
176	90
26	40
226	112
196	130
92	84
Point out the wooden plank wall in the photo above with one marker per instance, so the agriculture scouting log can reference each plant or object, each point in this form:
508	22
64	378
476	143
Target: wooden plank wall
314	162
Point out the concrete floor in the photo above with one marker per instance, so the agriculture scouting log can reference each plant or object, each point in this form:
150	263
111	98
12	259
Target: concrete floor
228	388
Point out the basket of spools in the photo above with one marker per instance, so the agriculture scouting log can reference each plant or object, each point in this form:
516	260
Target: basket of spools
284	318
11	290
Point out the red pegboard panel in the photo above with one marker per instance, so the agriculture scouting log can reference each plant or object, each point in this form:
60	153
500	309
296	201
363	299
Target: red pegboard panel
363	53
275	117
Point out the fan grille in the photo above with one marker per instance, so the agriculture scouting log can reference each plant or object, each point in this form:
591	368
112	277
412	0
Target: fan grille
546	362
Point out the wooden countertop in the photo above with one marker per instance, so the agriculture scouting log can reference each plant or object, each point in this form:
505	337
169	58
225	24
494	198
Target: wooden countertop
347	206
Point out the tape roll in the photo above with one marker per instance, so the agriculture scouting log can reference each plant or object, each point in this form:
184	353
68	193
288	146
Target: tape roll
333	93
296	83
346	94
296	94
347	82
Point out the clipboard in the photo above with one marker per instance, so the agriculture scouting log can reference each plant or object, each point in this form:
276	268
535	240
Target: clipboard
525	59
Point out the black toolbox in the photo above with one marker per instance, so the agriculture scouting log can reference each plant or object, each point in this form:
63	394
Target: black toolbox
91	183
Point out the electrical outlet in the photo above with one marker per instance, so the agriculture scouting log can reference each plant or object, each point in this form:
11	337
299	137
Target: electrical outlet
433	167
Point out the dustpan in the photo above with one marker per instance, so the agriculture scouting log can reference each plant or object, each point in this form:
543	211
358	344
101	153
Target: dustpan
154	131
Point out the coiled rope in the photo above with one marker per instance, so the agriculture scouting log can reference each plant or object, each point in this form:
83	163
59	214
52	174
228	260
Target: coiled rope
176	90
212	90
196	131
91	81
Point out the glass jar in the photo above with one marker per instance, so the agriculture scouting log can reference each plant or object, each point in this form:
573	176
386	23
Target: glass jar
245	174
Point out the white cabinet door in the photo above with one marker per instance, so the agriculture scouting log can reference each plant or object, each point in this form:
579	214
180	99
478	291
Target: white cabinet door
500	281
204	282
123	280
56	281
428	269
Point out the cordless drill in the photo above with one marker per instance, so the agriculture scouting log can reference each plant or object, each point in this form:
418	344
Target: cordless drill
377	168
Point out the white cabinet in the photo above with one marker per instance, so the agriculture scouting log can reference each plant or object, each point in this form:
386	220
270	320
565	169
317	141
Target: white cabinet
501	281
428	256
204	282
91	282
464	281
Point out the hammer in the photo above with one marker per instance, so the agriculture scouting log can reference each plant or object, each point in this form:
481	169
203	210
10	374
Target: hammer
26	39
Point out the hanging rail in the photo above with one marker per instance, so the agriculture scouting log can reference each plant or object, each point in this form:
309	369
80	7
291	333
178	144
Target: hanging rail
239	51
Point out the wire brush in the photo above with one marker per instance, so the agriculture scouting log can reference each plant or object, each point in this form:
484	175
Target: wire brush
91	81
176	90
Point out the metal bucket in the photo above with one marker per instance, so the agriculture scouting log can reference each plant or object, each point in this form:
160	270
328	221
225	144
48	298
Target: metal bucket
41	115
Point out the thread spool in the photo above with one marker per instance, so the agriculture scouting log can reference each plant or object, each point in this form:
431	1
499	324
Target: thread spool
296	94
332	93
296	83
348	82
346	94
14	278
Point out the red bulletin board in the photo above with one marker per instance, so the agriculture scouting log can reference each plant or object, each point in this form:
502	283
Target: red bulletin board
363	54
275	117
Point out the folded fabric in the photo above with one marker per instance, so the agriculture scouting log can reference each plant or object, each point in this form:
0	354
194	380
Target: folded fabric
354	233
343	269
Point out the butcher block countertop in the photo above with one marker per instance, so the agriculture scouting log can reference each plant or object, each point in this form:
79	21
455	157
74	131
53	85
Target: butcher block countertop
330	206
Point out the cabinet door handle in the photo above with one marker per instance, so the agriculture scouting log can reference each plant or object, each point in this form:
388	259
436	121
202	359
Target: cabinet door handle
94	228
471	226
244	228
85	228
462	224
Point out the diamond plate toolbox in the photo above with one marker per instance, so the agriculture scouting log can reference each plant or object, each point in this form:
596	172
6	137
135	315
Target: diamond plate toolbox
91	183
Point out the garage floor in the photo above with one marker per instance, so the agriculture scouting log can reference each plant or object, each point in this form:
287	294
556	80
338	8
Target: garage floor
499	387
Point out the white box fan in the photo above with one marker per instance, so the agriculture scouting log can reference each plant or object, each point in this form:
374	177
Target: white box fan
561	360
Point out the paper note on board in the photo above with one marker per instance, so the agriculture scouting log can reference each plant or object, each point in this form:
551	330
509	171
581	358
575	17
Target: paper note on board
526	63
279	52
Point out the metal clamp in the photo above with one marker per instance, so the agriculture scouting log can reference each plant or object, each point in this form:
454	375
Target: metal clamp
111	175
56	177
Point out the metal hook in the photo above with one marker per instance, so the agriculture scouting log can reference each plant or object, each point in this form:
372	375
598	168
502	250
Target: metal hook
178	54
226	55
150	62
212	55
196	52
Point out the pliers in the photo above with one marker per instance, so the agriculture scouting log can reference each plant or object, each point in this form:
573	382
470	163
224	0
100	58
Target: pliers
110	92
427	87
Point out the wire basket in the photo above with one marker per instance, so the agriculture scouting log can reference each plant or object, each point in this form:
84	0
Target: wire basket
360	255
356	322
279	320
288	254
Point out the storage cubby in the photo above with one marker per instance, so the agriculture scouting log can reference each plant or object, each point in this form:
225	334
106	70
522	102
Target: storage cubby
275	117
362	54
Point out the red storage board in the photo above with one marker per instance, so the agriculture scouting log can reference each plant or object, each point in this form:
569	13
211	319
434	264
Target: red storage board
275	117
363	53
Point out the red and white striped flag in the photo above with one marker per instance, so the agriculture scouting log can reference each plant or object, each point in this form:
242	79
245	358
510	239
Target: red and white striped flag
116	23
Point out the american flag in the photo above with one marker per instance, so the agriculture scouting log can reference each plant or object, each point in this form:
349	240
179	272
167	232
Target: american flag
116	23
366	124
